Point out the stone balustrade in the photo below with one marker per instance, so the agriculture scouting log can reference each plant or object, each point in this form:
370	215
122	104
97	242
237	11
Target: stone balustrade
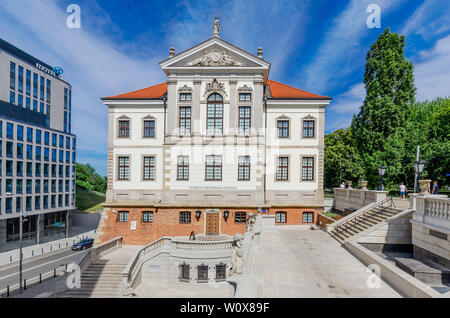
356	198
431	227
174	247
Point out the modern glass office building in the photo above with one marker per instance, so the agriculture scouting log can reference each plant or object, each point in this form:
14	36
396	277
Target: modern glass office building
37	150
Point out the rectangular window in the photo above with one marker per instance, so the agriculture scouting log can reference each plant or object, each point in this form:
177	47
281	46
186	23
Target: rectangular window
240	217
28	83
280	217
38	136
221	270
185	217
183	168
29	186
122	216
308	169
10	130
308	128
282	168
308	217
184	272
244	168
202	273
213	168
19	151
149	168
65	97
185	97
27	103
19	132
29	134
147	217
185	121
12	97
283	128
54	139
42	88
61	141
124	128
244	120
29	152
149	129
29	169
124	168
48	90
20	88
245	97
9	149
46	138
35	105
35	85
12	75
20	100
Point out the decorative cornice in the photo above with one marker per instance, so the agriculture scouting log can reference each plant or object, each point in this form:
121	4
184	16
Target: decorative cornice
215	87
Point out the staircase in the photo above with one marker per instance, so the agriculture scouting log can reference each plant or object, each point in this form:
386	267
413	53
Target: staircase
365	219
103	277
99	280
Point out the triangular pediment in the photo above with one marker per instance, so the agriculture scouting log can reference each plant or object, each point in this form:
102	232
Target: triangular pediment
213	53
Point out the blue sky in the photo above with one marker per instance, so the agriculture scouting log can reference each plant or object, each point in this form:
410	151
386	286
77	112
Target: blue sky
317	45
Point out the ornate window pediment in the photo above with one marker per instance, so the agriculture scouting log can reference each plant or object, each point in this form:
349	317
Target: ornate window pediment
185	89
215	58
245	89
215	87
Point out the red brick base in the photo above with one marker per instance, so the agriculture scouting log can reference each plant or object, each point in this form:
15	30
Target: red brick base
166	222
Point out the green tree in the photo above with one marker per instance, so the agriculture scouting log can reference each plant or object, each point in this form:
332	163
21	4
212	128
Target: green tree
89	179
342	161
380	126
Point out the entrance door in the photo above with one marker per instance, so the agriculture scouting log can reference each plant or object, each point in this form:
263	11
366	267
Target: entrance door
212	224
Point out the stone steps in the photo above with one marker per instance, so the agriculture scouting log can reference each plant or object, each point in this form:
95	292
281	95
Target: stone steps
362	223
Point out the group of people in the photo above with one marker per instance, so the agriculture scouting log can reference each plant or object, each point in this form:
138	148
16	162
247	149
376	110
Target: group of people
403	189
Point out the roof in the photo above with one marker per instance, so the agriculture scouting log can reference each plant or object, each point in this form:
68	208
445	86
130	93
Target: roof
283	91
152	92
277	90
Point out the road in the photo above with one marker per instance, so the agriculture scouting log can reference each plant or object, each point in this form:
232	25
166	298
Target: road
9	274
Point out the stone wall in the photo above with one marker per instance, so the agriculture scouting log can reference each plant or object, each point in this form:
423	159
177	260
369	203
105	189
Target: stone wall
356	199
166	222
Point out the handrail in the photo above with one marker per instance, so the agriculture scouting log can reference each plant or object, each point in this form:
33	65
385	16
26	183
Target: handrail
338	230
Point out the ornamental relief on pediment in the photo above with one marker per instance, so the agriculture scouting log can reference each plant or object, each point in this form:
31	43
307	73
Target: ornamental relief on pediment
215	58
215	87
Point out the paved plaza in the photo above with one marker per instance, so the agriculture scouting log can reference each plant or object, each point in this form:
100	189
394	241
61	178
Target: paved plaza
294	261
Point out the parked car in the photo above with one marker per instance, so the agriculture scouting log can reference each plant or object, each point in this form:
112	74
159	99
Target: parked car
83	244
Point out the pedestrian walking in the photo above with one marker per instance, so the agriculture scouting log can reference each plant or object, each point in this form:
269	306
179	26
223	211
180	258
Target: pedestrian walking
435	189
403	191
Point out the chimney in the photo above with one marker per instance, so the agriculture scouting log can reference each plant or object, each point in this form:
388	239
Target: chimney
171	52
260	52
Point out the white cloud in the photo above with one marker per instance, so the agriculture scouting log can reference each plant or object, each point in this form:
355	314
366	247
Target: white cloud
429	20
432	73
93	65
341	44
350	101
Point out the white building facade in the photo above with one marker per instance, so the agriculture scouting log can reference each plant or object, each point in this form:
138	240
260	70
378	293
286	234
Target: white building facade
215	142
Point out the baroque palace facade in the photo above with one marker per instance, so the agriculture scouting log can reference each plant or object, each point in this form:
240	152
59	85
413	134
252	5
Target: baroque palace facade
217	141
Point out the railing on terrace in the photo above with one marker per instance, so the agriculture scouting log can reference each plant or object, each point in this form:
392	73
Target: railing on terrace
130	273
369	212
437	207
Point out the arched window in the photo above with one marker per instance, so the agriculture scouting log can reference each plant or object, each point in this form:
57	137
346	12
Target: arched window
214	120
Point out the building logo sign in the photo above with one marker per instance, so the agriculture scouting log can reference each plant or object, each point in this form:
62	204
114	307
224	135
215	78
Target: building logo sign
56	71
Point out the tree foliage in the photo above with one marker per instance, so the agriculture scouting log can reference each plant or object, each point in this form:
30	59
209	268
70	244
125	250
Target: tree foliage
380	127
89	179
390	125
342	161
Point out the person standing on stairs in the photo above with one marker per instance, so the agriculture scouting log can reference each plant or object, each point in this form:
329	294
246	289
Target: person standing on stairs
403	191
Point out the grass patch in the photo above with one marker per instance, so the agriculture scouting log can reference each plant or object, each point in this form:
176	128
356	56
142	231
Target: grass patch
331	215
89	201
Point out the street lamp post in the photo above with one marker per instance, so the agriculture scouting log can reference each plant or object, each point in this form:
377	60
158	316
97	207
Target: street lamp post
381	172
419	165
20	251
